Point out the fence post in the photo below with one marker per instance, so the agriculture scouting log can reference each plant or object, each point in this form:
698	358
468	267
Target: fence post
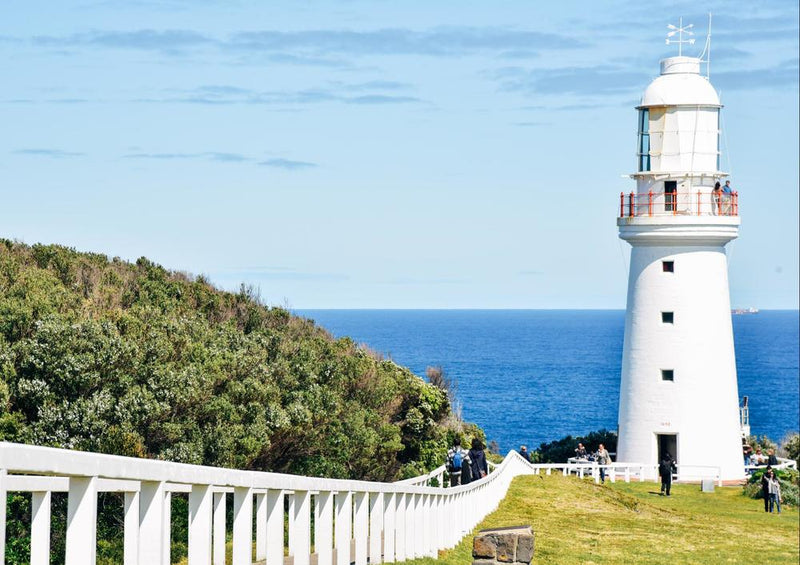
375	526
361	527
698	202
200	507
621	204
219	533
389	526
300	534
400	527
274	527
631	205
650	202
242	525
151	518
344	512
82	521
167	526
323	528
130	534
40	528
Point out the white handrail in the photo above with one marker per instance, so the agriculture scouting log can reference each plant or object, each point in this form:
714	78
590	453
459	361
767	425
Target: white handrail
384	522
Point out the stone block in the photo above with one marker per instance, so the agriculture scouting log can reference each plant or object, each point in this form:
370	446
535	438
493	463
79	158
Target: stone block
484	547
503	545
506	546
524	548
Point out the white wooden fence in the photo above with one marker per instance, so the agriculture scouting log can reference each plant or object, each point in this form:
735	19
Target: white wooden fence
354	521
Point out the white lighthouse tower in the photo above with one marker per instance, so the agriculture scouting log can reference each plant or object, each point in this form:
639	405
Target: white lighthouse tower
678	392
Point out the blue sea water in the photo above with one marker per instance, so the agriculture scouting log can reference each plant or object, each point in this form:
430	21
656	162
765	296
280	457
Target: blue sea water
530	376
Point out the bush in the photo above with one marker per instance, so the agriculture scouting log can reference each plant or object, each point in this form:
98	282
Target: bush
560	450
789	480
791	447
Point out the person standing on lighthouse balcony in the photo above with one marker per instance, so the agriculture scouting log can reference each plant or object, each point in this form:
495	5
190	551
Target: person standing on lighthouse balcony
727	197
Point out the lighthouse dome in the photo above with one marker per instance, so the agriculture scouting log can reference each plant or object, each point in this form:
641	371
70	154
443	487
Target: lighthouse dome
680	84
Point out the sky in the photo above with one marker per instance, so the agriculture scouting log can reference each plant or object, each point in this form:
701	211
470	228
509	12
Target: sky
382	154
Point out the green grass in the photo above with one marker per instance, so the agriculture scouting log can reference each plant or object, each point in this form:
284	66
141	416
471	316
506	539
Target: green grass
577	521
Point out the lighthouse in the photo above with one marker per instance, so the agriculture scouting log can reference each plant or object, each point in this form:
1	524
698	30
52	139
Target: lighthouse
678	390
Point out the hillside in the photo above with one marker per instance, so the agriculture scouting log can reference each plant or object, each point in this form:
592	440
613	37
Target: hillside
576	521
103	355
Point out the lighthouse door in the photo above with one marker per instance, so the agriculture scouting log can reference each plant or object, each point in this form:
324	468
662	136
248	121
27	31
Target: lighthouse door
670	195
668	443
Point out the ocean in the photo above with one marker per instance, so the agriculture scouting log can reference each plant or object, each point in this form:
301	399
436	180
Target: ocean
532	376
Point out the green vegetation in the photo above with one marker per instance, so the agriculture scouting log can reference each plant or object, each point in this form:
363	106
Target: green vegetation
102	355
577	521
559	451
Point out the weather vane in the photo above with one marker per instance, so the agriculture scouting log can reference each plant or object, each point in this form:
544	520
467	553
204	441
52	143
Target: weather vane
680	30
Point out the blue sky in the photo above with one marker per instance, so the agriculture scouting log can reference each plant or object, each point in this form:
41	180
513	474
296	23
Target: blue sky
381	154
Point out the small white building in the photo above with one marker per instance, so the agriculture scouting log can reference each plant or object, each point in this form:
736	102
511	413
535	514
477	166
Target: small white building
678	391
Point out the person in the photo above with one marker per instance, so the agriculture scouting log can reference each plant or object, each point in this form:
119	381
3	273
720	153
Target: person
478	460
765	487
748	452
665	469
603	458
774	491
758	457
457	458
580	451
771	459
523	450
727	196
716	199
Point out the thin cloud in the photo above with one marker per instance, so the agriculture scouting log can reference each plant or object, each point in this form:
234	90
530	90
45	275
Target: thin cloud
288	164
281	273
53	153
166	41
315	47
784	75
381	99
336	92
589	81
448	41
207	155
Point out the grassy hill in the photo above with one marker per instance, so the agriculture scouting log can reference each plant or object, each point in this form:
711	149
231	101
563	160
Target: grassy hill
577	521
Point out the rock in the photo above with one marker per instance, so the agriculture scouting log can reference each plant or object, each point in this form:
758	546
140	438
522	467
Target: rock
503	545
484	546
524	548
506	547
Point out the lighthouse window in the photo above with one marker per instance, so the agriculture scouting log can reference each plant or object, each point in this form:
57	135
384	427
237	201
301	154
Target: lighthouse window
668	266
668	317
667	375
644	139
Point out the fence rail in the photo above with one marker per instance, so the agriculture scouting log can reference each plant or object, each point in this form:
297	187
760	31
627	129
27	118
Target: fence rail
647	204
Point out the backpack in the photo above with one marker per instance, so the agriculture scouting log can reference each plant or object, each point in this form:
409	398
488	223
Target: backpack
455	461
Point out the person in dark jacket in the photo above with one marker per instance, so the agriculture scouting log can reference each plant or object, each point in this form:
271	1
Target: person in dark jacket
478	460
765	487
771	459
665	469
524	452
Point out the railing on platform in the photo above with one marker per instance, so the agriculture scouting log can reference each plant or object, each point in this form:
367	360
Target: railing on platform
382	522
782	464
647	204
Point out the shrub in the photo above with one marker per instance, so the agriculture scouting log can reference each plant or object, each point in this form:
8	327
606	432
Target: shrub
789	480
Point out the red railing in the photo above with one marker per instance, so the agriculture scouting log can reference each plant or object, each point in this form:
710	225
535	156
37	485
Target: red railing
678	204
